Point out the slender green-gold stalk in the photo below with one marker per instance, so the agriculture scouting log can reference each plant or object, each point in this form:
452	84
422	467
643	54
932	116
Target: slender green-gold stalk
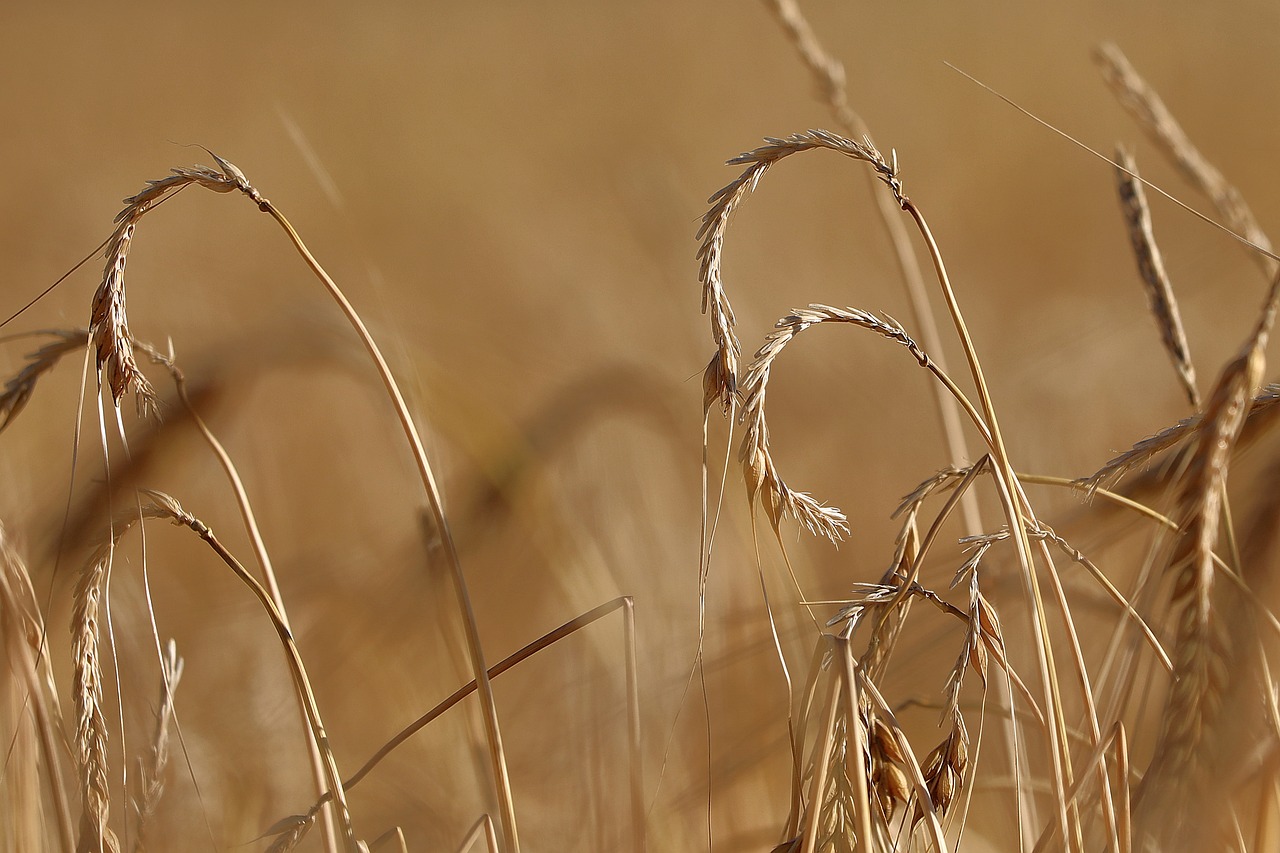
493	730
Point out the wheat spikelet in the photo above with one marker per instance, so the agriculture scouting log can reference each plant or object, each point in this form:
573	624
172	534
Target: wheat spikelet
1164	305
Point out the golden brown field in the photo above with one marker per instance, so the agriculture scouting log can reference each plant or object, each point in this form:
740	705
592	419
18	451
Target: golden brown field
509	193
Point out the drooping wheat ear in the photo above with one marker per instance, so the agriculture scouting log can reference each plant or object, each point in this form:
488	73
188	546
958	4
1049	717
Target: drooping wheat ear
18	390
152	772
762	476
1133	201
1154	117
715	223
110	321
1200	670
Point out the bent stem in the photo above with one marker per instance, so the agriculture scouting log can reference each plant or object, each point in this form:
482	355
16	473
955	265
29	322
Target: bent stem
165	506
259	550
623	603
493	731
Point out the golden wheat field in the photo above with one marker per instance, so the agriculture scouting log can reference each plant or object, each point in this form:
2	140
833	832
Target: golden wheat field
545	402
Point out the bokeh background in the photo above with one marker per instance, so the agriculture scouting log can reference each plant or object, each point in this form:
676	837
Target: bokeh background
509	194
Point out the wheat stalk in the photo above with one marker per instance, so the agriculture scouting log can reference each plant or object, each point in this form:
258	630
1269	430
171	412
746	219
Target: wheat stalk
23	644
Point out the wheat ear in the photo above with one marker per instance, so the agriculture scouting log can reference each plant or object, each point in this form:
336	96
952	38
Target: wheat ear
1154	117
1137	214
722	376
1200	666
110	322
152	772
95	836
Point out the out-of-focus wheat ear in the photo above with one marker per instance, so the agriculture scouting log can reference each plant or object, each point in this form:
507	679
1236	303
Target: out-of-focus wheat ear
1146	107
1200	665
1137	215
95	836
18	390
152	771
30	705
109	323
289	832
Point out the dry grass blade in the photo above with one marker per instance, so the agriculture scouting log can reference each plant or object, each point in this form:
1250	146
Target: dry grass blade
293	823
1154	117
1137	214
18	390
32	751
723	377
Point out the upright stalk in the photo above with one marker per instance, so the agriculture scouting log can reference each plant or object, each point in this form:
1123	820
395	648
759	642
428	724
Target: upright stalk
493	731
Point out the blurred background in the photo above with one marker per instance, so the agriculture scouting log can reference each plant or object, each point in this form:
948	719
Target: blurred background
509	193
